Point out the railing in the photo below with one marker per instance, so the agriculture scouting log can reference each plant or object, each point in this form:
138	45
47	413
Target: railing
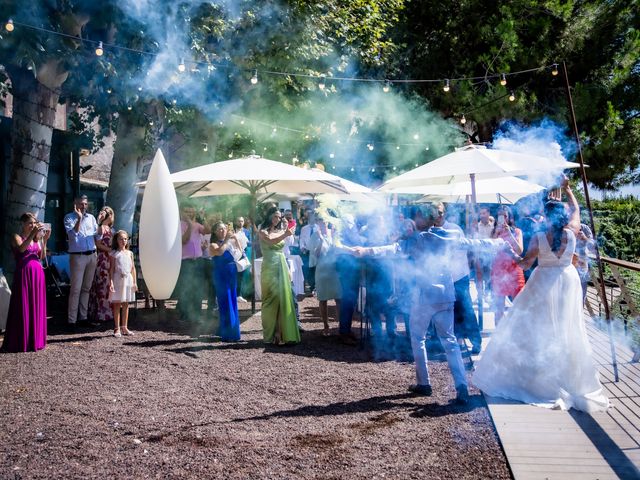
622	288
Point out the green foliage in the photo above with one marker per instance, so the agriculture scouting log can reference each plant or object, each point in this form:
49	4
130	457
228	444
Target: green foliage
618	227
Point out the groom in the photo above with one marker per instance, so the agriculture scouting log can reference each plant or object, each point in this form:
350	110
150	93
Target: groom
433	301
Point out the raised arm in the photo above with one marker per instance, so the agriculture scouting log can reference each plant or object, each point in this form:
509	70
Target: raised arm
574	208
264	236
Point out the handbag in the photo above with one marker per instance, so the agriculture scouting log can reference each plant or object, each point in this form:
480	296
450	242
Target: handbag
243	263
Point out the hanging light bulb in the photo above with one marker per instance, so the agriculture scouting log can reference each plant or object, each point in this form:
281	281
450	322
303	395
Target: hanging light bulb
353	169
416	136
9	26
108	90
331	155
397	147
463	120
416	165
181	67
447	86
503	80
554	69
139	89
387	86
254	77
129	107
512	97
373	170
370	146
321	84
99	49
230	155
151	123
394	168
205	147
275	130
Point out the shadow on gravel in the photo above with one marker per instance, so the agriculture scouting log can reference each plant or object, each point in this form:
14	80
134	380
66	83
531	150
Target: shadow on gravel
372	404
435	410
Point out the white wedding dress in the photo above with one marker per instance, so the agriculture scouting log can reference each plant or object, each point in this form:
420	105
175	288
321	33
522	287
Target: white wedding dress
540	353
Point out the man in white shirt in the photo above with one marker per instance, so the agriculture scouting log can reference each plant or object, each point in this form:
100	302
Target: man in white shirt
82	231
485	259
466	323
308	271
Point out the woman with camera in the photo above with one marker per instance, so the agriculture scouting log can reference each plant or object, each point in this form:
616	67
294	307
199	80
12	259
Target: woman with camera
100	310
507	277
279	322
27	318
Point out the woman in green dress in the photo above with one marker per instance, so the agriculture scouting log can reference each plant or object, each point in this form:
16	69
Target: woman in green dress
279	323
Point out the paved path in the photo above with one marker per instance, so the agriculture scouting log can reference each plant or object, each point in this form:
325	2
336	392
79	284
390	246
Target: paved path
550	444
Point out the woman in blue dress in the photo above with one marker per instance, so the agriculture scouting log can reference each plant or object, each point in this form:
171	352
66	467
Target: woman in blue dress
224	249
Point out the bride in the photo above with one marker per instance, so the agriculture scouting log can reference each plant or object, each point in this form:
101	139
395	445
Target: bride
540	353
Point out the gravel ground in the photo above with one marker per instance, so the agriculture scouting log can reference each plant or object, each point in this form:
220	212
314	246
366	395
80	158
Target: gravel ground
174	402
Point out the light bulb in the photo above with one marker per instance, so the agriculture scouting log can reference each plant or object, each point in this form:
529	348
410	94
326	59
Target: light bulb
463	120
275	130
512	97
151	123
99	49
9	26
416	164
370	147
447	86
334	167
394	168
241	122
139	89
373	170
181	67
416	136
353	169
254	77
554	70
108	90
397	147
205	147
331	155
129	107
230	155
386	87
503	80
321	84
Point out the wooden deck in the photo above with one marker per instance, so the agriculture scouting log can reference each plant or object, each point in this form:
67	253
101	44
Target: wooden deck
551	444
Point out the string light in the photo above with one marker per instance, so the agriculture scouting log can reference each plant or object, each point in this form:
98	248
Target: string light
447	86
386	87
370	147
321	84
129	107
99	49
512	97
331	155
10	25
397	147
463	120
109	90
254	77
181	67
353	169
416	136
151	123
503	80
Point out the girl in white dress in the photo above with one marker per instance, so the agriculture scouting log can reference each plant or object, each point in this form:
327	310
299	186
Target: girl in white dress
123	284
540	353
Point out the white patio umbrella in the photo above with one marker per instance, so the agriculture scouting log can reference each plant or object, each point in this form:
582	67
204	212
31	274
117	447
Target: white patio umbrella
475	162
253	175
491	190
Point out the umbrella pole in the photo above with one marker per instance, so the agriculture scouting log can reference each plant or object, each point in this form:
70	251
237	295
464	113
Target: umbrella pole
254	199
474	228
583	173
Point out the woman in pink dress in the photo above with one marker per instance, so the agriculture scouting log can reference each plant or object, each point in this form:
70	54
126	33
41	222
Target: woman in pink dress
99	308
27	318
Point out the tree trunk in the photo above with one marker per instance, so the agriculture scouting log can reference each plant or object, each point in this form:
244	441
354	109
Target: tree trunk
127	153
34	108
